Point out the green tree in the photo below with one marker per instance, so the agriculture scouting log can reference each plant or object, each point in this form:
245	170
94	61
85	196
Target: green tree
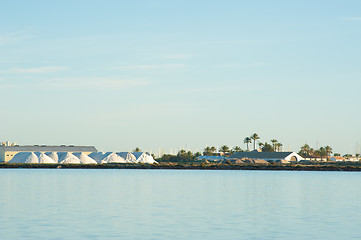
274	141
224	149
254	137
137	150
267	147
305	150
247	141
328	151
207	151
213	150
278	147
237	149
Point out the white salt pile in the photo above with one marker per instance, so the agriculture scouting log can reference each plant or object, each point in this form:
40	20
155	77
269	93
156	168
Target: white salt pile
66	158
142	157
53	155
85	159
43	158
128	157
25	157
113	158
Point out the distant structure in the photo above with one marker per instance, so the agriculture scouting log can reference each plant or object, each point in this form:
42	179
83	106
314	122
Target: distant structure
268	156
9	150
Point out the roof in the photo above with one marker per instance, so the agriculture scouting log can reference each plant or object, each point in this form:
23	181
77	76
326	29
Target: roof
261	155
45	148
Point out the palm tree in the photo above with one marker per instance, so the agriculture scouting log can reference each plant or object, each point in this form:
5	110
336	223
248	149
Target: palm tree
213	149
260	145
254	137
328	151
278	146
224	149
305	150
237	149
247	141
207	151
274	141
322	152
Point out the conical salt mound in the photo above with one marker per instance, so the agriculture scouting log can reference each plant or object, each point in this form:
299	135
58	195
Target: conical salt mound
43	158
85	159
68	158
25	157
144	158
128	156
113	158
99	156
53	155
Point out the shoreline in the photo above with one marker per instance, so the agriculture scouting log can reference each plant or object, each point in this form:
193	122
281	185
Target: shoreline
270	167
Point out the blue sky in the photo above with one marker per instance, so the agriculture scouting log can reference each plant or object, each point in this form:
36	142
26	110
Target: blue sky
170	74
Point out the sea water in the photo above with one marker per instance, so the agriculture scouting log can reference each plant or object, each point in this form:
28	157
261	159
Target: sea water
178	204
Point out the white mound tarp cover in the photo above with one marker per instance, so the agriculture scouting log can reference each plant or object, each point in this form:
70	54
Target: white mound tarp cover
66	157
53	155
99	156
85	159
142	157
43	158
25	157
128	157
113	158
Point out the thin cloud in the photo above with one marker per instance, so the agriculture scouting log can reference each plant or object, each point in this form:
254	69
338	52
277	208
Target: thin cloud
178	56
37	70
350	18
152	67
241	65
96	83
14	37
78	83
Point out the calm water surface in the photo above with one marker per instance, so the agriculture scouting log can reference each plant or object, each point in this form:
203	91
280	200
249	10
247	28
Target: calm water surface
178	204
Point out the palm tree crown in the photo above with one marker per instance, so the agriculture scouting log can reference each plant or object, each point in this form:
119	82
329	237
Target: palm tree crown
254	137
247	140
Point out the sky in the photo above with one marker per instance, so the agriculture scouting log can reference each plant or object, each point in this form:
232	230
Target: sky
181	74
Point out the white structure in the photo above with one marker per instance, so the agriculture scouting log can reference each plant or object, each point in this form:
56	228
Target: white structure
25	157
53	155
142	157
84	159
43	158
113	158
66	158
128	156
268	156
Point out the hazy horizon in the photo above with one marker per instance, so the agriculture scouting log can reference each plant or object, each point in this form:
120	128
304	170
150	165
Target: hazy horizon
181	74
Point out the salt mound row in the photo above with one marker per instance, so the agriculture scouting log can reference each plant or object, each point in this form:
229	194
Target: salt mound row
142	157
66	158
113	158
99	156
43	158
25	157
85	159
53	155
128	157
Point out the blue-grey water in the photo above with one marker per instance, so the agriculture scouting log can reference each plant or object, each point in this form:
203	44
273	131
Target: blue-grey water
178	204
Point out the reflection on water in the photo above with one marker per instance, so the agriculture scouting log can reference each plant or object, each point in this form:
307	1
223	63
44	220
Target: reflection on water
178	204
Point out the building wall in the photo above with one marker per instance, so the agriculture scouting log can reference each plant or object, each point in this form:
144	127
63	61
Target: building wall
9	155
2	154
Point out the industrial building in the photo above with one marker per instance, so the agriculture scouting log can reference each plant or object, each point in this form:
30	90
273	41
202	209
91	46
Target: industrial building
8	151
